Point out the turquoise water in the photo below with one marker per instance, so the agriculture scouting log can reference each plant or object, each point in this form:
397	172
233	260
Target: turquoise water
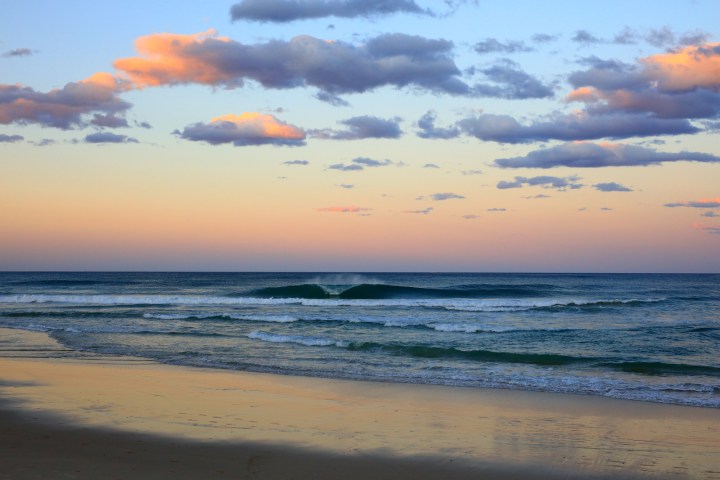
643	337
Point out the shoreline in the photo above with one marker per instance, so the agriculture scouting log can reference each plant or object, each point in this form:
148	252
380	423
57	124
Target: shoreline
316	427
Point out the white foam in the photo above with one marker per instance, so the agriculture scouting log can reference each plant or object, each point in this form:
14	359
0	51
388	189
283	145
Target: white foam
191	316
467	328
300	339
460	304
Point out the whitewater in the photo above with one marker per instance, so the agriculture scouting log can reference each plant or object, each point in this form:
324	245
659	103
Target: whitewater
642	337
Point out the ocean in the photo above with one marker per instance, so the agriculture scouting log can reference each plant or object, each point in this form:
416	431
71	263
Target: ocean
646	337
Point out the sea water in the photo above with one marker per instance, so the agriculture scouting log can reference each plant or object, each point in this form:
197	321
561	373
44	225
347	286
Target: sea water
649	337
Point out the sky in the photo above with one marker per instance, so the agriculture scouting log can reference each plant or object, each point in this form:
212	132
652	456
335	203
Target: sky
360	135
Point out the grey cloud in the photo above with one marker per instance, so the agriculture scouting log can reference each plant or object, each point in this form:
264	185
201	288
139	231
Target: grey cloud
369	162
282	11
345	167
511	83
360	163
696	103
427	127
363	127
592	155
108	120
712	203
44	142
710	214
424	211
414	46
535	197
586	38
296	162
497	210
445	196
544	38
602	64
660	37
63	108
471	172
608	75
108	137
492	45
606	209
18	52
544	181
611	187
143	125
505	129
430	165
10	138
346	185
470	217
694	38
397	60
335	68
333	100
627	36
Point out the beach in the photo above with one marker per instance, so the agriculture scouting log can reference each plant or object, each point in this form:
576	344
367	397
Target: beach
70	414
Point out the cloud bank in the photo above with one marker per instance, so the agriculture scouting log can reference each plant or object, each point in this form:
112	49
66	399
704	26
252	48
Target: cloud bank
334	67
595	155
282	11
579	126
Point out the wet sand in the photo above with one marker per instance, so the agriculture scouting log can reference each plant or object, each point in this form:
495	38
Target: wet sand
64	414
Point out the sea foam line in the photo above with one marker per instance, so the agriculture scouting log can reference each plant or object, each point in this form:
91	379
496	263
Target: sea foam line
299	339
461	304
228	316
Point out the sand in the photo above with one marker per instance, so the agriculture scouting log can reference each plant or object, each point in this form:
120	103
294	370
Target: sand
87	416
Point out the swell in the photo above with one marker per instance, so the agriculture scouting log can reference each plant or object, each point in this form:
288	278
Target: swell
427	351
662	368
371	291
